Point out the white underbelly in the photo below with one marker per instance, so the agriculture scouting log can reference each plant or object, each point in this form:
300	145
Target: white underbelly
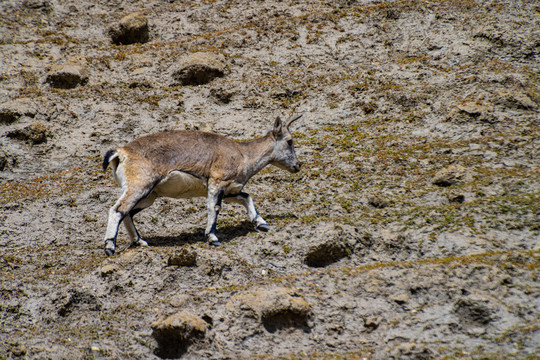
179	184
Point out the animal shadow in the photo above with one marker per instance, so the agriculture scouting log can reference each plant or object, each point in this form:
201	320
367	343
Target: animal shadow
225	233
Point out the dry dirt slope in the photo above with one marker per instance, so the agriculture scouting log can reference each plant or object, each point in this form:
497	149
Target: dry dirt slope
412	231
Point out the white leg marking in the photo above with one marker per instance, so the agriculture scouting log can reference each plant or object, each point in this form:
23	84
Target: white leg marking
133	233
112	224
247	202
213	205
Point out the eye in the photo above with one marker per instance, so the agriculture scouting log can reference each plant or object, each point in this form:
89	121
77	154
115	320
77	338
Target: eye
289	142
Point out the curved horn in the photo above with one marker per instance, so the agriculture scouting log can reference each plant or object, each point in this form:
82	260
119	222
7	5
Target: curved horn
291	120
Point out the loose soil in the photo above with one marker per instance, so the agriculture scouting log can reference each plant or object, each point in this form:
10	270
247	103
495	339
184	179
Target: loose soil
412	230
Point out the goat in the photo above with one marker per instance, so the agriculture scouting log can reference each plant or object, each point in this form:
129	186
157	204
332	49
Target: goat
186	164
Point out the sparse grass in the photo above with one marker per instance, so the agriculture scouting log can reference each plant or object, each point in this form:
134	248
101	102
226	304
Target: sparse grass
68	182
346	163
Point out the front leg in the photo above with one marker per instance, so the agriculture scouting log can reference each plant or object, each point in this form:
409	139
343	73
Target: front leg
246	200
213	205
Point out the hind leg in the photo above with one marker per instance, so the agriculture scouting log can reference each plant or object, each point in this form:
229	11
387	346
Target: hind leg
123	207
133	234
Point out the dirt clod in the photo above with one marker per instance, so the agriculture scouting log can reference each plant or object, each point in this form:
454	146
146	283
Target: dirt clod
176	332
132	28
184	257
67	75
276	308
12	111
198	69
35	133
452	175
327	252
411	230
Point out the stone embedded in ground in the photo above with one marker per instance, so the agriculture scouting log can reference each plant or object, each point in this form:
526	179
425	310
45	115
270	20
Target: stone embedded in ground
140	83
452	175
18	350
197	69
392	14
378	201
515	100
221	95
179	300
131	29
456	198
473	108
175	333
12	111
473	311
36	133
68	75
372	323
43	5
327	252
400	299
468	111
79	301
186	256
215	263
275	307
281	93
108	270
411	351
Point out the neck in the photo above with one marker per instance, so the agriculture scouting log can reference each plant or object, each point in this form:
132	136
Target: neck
257	154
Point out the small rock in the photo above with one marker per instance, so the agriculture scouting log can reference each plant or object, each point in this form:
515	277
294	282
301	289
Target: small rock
43	5
140	83
68	75
452	175
471	110
186	256
108	270
179	300
79	301
11	111
131	29
456	198
36	133
371	323
378	201
327	252
215	263
473	311
515	100
411	351
276	308
476	331
19	350
400	299
222	95
197	69
281	93
392	14
175	333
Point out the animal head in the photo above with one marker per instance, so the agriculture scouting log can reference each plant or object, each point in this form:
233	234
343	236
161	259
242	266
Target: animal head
284	155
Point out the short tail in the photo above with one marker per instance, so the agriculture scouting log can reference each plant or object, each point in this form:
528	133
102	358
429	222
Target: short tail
111	154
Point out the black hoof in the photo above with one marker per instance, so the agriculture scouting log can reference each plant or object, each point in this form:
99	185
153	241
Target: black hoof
109	252
214	243
263	227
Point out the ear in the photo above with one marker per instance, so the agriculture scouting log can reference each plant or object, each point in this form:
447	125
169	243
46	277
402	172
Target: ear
278	128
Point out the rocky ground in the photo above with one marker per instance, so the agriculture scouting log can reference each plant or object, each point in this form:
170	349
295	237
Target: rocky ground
411	232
